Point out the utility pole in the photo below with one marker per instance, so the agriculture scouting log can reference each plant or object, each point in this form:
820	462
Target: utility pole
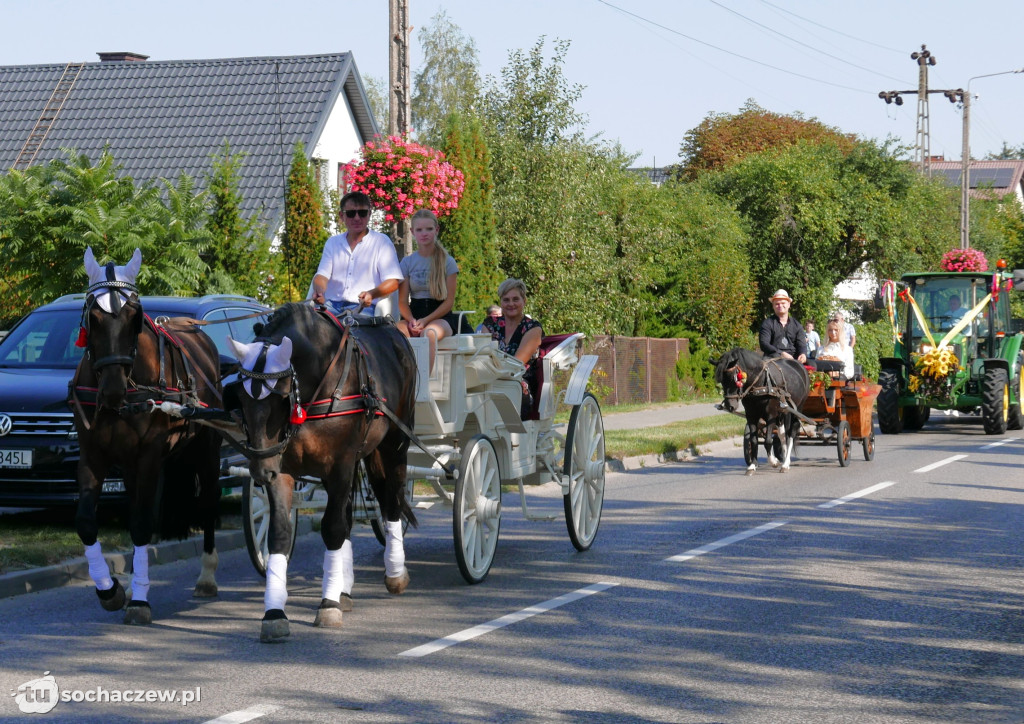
398	92
923	138
965	161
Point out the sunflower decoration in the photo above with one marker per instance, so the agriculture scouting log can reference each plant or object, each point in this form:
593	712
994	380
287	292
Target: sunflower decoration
933	372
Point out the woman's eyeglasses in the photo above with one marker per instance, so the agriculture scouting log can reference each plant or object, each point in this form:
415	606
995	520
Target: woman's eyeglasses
361	213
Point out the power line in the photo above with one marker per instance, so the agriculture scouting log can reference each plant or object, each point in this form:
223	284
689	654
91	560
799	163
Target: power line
832	30
800	42
729	52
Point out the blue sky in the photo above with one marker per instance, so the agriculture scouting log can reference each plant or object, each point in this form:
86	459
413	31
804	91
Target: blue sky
649	77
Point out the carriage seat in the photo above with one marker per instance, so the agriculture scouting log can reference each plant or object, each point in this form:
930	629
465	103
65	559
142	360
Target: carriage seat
556	351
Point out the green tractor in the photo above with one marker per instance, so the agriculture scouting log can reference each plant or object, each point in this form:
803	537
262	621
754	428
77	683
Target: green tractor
955	349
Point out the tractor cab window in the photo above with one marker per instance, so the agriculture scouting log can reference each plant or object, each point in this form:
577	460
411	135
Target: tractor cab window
944	302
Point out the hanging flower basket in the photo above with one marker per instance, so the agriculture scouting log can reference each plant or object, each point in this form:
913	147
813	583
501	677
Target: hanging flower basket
964	260
402	176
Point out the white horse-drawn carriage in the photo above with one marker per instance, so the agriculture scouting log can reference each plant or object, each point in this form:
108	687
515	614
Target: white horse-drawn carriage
470	438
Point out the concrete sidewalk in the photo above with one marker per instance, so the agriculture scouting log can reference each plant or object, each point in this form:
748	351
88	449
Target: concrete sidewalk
658	416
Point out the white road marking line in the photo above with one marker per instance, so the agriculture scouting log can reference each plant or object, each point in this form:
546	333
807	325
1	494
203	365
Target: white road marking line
694	552
472	633
997	444
858	494
244	715
947	461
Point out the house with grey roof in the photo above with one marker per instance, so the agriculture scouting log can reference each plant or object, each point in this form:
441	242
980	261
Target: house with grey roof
163	118
988	179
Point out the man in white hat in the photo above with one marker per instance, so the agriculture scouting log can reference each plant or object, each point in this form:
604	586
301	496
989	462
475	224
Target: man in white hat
781	335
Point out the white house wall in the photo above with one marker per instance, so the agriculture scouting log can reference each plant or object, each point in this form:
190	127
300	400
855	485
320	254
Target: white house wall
340	141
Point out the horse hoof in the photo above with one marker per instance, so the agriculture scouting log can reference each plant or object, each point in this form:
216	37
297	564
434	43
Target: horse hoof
205	590
138	613
345	603
113	599
328	615
750	471
397	585
274	626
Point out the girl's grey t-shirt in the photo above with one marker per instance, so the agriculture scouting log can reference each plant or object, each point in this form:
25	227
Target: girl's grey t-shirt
417	270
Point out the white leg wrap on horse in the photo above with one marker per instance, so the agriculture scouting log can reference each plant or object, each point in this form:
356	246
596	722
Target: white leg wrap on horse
140	574
99	571
394	551
338	574
276	592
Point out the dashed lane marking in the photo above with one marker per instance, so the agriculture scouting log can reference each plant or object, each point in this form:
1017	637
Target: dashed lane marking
858	494
947	461
694	552
244	715
472	633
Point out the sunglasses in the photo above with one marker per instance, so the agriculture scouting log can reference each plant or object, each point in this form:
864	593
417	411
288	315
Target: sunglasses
361	213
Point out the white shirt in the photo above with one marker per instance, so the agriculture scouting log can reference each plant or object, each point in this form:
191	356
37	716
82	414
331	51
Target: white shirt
350	272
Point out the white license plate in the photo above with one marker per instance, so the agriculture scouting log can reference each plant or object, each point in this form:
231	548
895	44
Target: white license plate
15	458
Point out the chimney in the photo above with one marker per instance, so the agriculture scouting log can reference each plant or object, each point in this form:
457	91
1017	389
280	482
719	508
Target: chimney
121	56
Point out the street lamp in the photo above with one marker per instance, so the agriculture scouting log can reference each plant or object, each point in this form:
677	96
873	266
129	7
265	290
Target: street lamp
965	161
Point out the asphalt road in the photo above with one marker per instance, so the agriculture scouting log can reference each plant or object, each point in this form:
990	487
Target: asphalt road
888	591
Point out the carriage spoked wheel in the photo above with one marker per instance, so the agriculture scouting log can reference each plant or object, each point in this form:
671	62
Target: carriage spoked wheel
476	518
869	447
843	441
584	471
256	520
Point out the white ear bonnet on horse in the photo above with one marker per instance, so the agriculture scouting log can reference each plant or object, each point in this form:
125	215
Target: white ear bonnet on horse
98	275
279	358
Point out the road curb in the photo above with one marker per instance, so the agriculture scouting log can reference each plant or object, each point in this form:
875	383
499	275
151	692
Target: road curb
677	456
76	571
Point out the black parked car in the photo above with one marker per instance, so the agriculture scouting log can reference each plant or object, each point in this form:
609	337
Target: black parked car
38	357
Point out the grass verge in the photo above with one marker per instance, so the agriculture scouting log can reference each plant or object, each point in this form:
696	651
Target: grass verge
671	438
44	538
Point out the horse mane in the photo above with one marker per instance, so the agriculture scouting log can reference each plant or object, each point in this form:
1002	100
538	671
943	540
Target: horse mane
741	356
287	315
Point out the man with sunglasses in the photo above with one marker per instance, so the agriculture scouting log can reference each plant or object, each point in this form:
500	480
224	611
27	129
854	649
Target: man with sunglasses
359	267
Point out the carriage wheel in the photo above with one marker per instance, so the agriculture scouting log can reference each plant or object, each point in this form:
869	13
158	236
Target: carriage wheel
843	442
584	470
256	523
869	447
377	521
477	515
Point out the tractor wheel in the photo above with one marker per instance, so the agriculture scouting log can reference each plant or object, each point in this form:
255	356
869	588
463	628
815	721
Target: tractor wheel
995	401
1014	420
915	417
889	420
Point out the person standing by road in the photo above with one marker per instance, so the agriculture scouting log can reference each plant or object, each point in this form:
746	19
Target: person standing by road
781	335
813	340
359	267
849	333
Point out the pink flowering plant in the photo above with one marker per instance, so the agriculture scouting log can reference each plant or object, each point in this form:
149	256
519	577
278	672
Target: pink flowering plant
964	260
402	176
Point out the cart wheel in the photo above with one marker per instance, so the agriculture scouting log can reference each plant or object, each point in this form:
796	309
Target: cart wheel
843	442
584	469
869	447
256	524
477	514
377	521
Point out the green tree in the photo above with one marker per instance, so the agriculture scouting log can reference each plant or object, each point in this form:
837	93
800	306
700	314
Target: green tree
817	213
1007	153
239	254
376	90
447	81
469	232
723	139
49	214
304	231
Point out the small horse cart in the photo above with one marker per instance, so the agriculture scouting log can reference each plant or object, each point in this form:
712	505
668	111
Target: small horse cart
470	438
839	413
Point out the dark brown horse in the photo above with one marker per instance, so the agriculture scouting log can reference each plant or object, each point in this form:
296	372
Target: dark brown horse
170	467
770	390
316	395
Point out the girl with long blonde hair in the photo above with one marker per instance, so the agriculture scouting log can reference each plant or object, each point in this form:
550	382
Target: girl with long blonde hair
427	294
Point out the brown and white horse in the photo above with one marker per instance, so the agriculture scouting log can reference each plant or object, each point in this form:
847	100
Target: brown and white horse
314	397
171	467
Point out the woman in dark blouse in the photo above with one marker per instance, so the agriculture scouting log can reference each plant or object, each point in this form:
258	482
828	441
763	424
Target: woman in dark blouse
515	333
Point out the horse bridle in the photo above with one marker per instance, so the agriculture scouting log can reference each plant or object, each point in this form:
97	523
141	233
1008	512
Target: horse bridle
261	377
118	287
